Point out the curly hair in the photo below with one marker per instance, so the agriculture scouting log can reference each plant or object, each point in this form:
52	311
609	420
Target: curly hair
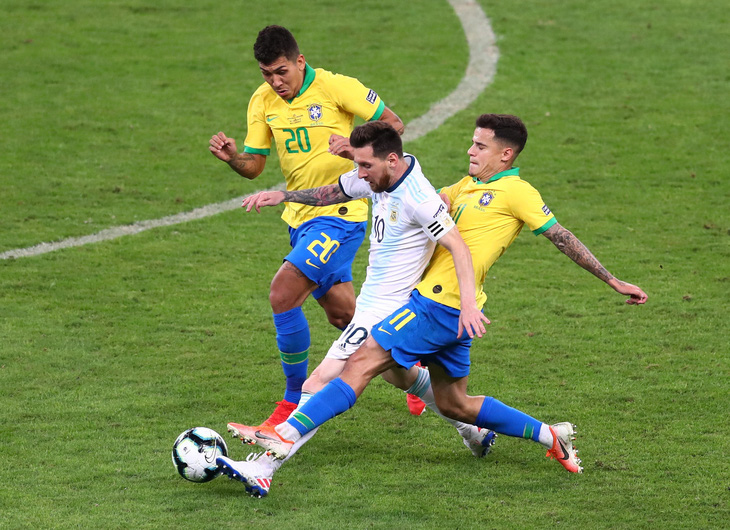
274	42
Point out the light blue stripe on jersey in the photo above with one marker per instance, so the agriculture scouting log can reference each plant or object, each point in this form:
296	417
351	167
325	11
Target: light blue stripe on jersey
397	259
416	191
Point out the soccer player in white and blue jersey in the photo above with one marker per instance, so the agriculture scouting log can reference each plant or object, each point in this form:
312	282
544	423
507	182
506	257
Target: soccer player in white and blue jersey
408	219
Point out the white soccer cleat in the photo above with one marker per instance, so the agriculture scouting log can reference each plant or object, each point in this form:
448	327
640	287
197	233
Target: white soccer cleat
479	440
255	476
562	449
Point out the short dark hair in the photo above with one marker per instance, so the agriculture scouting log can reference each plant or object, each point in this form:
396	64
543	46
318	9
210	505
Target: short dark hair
274	42
507	128
383	138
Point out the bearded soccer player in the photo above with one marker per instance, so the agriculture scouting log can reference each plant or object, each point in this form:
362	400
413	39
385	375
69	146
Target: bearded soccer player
309	113
490	207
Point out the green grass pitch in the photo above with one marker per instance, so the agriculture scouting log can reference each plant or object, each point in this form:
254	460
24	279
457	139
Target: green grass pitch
110	350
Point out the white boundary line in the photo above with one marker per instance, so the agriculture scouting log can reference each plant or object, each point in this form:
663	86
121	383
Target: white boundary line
483	57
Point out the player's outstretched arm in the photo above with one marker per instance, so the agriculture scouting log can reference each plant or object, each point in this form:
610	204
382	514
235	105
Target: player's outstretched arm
322	196
247	165
390	117
572	247
262	198
471	319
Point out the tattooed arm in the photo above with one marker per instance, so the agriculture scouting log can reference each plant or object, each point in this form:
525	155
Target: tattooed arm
247	165
571	246
322	196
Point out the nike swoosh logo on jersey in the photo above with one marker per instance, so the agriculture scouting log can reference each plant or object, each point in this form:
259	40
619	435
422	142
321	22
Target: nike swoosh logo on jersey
380	328
312	264
271	119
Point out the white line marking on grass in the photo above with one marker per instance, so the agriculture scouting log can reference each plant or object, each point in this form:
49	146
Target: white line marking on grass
483	56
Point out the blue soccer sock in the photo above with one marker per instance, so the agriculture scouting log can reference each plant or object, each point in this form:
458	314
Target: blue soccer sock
292	338
499	417
335	398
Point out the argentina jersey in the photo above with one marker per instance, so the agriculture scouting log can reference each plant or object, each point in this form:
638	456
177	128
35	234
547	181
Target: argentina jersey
407	220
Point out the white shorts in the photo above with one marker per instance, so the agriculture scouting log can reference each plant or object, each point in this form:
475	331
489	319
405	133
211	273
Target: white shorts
356	332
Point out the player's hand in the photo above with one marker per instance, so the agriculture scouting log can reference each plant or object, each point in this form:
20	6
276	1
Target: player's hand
222	147
637	295
446	200
340	146
473	322
262	198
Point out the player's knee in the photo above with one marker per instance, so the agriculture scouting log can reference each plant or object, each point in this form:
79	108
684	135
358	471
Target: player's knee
278	301
289	288
281	298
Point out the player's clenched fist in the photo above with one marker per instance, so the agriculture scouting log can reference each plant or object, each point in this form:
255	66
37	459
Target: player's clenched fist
223	147
262	198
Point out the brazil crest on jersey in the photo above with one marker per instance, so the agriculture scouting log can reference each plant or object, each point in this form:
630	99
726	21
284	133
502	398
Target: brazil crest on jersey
326	104
489	216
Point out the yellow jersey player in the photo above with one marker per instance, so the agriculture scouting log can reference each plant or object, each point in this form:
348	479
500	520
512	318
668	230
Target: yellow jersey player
309	113
490	207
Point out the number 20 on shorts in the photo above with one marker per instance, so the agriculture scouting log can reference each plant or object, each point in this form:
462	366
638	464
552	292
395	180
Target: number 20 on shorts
327	245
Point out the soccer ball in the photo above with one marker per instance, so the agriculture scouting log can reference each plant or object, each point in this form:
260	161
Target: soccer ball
194	453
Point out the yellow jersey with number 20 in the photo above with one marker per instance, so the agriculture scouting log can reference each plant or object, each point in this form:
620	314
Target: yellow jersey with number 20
489	216
326	104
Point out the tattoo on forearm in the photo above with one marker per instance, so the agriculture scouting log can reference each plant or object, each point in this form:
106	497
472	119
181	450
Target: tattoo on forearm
239	163
571	246
321	196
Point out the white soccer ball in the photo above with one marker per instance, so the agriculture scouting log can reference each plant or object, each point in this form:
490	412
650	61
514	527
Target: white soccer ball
194	453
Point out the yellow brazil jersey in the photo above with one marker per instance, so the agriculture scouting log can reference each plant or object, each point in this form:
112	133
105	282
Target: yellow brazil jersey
326	104
489	215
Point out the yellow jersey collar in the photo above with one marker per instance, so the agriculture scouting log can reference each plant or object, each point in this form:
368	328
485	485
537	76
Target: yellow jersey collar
506	173
309	75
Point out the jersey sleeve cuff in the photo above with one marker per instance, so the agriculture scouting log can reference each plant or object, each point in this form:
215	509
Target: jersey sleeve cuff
339	182
544	227
253	151
378	112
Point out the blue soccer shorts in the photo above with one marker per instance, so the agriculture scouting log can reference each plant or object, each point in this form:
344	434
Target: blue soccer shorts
425	331
324	248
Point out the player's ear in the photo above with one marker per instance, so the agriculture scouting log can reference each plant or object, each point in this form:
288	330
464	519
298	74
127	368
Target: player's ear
301	61
507	154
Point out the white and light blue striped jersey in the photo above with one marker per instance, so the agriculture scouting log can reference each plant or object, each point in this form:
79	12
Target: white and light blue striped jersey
407	220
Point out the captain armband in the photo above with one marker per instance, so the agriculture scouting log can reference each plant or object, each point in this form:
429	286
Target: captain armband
442	223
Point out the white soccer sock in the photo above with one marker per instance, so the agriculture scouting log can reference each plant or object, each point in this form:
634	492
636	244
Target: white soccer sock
422	388
300	442
287	432
545	437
